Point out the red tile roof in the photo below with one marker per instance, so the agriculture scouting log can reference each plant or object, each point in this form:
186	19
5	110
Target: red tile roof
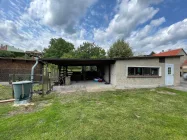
169	53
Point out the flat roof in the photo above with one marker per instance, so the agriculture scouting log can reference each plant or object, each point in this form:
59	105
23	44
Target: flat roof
89	62
17	59
78	62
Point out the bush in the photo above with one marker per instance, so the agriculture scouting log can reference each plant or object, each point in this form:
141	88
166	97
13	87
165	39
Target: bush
6	54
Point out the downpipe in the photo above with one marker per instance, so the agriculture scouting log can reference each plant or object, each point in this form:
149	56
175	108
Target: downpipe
32	76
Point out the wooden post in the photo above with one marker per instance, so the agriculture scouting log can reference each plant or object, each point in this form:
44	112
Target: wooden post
109	74
47	77
66	70
84	73
43	81
59	73
13	80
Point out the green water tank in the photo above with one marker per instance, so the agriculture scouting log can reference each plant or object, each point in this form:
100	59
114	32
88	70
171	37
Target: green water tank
22	90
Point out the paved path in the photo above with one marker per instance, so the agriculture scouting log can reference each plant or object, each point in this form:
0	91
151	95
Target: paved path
182	86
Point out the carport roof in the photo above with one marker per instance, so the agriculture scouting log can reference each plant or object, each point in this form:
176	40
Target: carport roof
78	62
89	62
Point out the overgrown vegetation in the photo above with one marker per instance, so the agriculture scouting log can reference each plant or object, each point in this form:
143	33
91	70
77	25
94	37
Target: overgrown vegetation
6	54
130	114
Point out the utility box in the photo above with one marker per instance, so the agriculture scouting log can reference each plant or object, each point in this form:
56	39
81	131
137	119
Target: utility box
22	90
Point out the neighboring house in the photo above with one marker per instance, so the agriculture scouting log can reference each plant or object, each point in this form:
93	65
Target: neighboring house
184	67
10	48
175	52
16	66
133	72
20	53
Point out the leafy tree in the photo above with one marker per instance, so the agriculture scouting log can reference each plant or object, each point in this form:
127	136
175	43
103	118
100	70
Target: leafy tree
120	49
89	50
6	54
152	53
57	48
69	55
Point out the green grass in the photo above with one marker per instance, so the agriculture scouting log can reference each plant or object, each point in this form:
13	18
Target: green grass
5	92
141	114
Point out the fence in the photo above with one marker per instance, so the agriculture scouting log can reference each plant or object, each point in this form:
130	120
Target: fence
5	73
43	83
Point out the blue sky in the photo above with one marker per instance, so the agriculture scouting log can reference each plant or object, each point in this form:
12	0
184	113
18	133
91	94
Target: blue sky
148	25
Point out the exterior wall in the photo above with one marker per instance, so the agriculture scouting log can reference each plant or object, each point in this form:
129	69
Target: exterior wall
120	76
112	74
11	66
106	74
183	58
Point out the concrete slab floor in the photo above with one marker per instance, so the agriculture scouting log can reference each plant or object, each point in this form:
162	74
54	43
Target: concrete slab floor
88	86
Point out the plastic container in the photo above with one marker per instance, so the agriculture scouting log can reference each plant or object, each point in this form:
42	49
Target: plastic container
22	90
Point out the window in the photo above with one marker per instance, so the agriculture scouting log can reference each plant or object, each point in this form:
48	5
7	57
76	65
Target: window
161	60
169	70
143	71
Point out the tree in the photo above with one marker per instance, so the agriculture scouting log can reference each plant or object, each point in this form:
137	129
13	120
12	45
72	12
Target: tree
57	48
4	53
89	50
152	53
69	55
120	49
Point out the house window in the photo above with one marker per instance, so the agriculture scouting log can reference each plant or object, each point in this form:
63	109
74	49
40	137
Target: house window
169	70
161	60
143	71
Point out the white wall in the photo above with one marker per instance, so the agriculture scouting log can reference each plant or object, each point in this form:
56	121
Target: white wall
119	75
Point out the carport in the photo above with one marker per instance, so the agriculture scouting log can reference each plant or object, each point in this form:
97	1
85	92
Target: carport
65	64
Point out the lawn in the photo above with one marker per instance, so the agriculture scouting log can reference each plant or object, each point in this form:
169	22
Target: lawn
5	92
142	114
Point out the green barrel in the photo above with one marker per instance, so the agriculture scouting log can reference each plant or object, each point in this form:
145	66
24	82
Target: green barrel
22	90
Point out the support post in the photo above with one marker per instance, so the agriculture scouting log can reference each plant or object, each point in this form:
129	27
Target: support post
84	72
109	80
43	80
47	76
66	70
59	73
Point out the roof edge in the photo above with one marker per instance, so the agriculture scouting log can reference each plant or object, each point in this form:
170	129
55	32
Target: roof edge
19	59
105	59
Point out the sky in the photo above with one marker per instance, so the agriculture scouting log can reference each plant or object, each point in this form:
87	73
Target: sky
147	25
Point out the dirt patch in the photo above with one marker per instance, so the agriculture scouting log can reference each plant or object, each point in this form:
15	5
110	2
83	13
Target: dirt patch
166	92
44	104
24	109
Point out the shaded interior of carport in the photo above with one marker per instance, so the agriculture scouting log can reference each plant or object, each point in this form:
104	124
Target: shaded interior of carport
65	64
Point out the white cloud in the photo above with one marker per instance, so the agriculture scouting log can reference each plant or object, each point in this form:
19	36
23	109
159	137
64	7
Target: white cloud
130	14
133	21
151	37
60	13
28	40
170	37
8	30
158	22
